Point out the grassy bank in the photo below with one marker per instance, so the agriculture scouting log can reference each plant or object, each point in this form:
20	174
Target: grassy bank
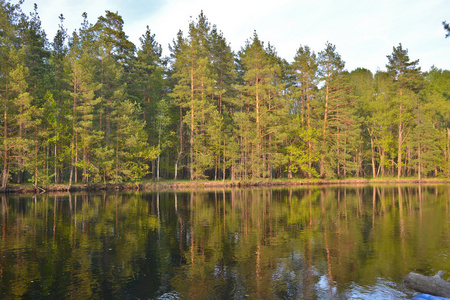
207	184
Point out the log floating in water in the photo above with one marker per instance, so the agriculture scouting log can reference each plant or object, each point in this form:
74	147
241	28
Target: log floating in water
433	285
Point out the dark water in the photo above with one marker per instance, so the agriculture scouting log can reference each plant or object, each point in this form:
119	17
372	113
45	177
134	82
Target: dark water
300	243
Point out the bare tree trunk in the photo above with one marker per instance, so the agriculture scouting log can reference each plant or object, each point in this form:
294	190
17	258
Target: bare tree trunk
181	145
191	146
85	160
5	150
373	155
400	137
157	168
117	157
153	170
56	165
433	285
36	162
325	118
76	158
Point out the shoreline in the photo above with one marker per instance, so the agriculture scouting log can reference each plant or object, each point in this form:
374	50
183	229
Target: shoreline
186	185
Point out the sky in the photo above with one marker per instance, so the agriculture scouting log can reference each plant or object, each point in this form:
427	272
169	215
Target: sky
363	31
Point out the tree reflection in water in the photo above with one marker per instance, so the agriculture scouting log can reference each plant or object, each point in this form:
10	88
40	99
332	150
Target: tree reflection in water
322	242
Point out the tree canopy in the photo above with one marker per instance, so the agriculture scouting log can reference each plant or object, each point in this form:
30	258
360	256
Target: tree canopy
91	106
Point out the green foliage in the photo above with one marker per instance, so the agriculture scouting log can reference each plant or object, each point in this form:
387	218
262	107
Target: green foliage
132	152
94	108
300	157
263	107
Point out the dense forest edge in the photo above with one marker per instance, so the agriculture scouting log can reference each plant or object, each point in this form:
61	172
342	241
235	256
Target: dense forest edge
91	109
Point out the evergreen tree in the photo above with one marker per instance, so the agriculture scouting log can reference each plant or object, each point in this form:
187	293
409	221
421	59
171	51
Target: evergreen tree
148	86
260	107
86	135
224	76
434	125
17	112
19	115
406	78
132	152
331	67
380	125
59	103
345	126
37	51
84	96
193	92
113	41
363	93
304	144
115	52
35	45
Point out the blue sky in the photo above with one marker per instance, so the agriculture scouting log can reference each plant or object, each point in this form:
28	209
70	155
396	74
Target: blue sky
364	32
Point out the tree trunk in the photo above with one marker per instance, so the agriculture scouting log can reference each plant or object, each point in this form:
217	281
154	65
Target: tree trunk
71	175
322	158
157	168
433	285
56	165
84	165
181	144
308	124
223	169
5	151
448	151
400	133
74	152
36	162
153	170
117	155
373	156
191	146
258	134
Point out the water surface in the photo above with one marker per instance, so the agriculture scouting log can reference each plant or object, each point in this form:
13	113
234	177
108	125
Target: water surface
349	242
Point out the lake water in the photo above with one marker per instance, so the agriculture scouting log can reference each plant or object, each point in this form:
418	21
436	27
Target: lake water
351	242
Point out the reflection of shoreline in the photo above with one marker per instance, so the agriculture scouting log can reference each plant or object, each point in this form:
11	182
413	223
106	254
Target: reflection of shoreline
299	243
205	185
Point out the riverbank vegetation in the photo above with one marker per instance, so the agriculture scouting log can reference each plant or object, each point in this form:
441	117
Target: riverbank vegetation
208	185
92	107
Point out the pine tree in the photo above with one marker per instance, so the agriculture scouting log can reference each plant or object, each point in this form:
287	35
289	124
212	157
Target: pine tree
113	41
303	147
86	134
405	75
260	90
193	92
115	52
224	76
35	45
85	87
19	115
132	152
148	86
363	93
37	55
434	125
344	124
17	112
59	101
331	67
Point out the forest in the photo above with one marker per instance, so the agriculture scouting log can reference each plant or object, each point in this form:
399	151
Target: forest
93	107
